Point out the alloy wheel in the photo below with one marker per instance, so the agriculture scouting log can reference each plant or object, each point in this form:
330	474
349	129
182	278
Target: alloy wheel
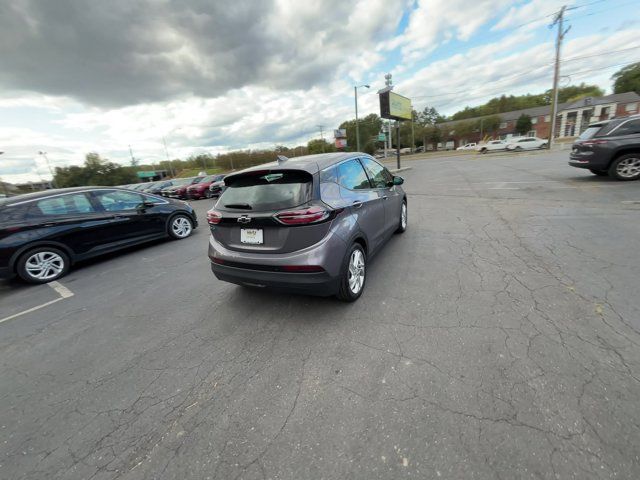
628	168
44	265
356	271
181	227
403	216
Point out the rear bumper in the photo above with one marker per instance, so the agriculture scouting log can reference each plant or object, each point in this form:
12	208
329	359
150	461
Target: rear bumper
595	160
264	269
320	284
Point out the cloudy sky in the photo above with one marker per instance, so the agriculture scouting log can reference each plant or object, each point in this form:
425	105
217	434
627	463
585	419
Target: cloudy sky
211	76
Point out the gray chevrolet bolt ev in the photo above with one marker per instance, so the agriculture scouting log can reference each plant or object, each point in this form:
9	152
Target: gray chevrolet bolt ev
307	224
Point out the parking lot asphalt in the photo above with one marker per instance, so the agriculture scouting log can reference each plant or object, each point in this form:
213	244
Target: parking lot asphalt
496	339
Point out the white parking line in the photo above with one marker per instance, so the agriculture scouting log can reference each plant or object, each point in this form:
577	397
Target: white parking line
60	289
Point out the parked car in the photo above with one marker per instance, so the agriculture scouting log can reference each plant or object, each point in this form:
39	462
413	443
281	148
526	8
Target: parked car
468	146
179	187
42	234
610	148
493	145
157	187
420	149
405	150
525	143
306	225
216	188
201	189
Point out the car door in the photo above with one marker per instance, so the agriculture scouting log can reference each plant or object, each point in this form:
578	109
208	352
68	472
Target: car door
363	201
382	182
70	219
131	219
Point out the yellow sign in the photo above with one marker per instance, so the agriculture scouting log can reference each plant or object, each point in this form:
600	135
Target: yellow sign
399	106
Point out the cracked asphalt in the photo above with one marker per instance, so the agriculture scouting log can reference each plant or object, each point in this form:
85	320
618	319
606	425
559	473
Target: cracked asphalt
496	339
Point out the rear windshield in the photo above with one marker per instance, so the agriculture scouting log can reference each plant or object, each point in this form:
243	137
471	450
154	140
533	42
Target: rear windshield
267	191
590	132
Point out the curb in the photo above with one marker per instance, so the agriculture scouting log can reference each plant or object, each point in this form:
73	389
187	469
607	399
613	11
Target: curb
398	170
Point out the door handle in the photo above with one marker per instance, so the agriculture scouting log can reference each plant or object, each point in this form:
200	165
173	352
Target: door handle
357	204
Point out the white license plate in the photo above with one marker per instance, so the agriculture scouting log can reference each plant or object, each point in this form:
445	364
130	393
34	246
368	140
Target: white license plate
251	235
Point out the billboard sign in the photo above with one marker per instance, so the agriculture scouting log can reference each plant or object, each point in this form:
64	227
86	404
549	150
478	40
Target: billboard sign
394	106
382	137
340	133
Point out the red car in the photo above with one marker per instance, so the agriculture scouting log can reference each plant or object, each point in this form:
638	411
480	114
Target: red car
179	187
201	189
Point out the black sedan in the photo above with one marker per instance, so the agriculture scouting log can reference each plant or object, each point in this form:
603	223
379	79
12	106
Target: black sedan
42	234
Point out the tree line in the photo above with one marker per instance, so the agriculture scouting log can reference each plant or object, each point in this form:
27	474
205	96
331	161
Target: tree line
425	129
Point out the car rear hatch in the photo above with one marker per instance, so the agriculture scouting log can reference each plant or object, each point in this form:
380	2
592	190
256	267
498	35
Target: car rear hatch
588	139
269	211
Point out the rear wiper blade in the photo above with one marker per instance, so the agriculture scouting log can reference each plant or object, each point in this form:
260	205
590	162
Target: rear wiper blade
243	206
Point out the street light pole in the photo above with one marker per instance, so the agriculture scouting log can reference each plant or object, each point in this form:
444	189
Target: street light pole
44	154
4	185
355	94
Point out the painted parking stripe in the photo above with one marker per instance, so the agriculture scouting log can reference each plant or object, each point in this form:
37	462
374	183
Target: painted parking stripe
60	289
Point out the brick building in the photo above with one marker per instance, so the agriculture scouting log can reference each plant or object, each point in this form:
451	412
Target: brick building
573	118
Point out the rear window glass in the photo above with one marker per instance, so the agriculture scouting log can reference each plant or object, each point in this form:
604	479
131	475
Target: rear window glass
268	191
589	132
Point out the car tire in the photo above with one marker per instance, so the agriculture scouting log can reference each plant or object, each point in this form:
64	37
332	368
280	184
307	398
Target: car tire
351	288
208	194
180	226
600	173
483	150
626	167
517	149
404	218
43	265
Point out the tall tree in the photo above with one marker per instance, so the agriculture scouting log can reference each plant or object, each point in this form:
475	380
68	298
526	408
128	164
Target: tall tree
523	124
95	171
627	79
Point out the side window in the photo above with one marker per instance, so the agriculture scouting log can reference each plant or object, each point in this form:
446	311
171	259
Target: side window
62	205
117	200
380	176
328	175
351	175
628	128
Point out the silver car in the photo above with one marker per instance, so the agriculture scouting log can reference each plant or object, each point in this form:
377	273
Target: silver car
306	225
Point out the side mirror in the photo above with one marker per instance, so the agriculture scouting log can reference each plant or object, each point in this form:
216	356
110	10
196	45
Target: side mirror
145	205
398	180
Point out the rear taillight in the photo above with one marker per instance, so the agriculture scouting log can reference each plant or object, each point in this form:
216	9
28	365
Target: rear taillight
589	143
303	216
219	261
302	268
214	217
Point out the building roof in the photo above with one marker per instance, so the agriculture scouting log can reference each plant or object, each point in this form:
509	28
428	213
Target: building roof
613	98
546	109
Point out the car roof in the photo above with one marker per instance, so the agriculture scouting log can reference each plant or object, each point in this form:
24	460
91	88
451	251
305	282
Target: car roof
27	197
307	163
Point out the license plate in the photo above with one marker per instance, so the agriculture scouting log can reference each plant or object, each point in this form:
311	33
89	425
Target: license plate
251	235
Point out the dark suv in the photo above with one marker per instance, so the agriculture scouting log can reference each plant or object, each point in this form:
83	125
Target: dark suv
610	148
308	225
42	234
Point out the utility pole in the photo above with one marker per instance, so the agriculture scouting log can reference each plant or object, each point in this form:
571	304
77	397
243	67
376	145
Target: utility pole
388	83
557	20
321	127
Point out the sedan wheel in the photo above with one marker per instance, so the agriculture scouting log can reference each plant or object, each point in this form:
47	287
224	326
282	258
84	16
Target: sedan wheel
43	265
403	218
181	227
626	167
356	272
354	276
